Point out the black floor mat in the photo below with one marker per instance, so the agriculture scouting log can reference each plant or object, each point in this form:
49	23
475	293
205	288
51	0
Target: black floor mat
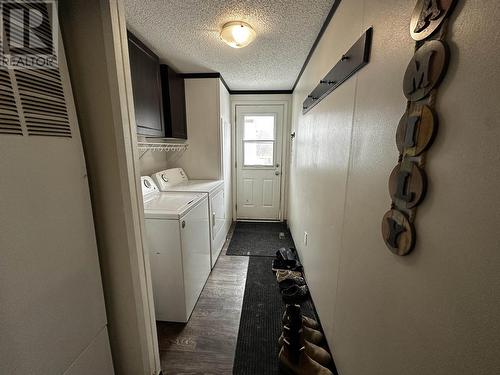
259	239
260	324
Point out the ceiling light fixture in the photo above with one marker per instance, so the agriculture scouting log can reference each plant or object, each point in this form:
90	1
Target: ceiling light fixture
237	34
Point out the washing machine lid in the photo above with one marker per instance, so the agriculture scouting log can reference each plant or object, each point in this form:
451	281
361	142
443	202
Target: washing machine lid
201	186
171	205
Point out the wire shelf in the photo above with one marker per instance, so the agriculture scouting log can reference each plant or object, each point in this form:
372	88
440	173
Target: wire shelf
161	146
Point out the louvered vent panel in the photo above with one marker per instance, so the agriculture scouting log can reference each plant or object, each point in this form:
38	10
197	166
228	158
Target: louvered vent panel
43	102
9	117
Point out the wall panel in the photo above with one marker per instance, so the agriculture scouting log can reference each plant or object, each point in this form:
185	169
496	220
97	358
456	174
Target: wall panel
437	310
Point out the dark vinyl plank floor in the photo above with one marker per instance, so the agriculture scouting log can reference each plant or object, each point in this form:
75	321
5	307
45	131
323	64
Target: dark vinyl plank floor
206	344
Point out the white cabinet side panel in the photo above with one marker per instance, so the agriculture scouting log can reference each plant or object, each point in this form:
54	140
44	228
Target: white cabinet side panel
165	258
195	252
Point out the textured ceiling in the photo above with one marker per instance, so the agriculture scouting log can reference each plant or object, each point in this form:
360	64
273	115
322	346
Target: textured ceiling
185	34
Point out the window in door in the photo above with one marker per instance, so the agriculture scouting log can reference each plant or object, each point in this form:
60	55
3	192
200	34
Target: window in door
259	137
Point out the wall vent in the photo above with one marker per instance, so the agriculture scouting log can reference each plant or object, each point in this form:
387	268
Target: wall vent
9	117
43	102
32	101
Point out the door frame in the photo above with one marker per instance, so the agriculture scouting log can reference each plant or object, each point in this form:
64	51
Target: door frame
284	100
107	123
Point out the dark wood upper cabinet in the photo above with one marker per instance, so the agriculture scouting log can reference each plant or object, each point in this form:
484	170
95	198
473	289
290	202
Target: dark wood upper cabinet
146	87
174	103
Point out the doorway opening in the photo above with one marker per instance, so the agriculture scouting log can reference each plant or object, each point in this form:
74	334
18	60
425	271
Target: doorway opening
258	161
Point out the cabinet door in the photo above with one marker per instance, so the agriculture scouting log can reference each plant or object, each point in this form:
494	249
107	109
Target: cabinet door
146	87
174	103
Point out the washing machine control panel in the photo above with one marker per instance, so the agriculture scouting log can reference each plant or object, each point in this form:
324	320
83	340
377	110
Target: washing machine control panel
170	177
148	186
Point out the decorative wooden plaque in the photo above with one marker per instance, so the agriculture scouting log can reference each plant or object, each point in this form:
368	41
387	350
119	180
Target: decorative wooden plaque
398	232
428	17
416	131
418	126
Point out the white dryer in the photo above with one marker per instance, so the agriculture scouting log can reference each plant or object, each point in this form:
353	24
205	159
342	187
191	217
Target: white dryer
175	179
178	239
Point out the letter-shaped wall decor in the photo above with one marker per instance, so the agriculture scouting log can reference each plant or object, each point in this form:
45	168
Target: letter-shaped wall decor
418	126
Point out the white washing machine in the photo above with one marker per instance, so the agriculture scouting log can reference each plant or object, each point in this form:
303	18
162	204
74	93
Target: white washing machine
178	239
175	179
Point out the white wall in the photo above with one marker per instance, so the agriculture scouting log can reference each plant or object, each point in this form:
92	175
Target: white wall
436	311
202	159
209	129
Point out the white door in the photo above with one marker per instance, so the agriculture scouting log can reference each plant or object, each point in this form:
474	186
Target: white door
258	161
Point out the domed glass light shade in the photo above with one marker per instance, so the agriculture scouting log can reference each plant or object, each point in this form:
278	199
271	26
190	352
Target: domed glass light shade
237	34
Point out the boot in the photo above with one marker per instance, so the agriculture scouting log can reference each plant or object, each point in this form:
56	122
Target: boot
298	362
318	354
293	322
314	351
305	334
292	312
311	335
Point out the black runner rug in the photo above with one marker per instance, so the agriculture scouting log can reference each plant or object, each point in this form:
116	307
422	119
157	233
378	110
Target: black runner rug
260	324
259	239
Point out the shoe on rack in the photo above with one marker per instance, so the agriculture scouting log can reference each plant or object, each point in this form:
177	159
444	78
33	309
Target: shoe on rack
295	293
281	254
293	265
285	274
292	253
287	254
298	362
287	283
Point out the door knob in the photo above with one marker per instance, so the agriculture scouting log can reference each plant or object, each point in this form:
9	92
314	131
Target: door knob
277	173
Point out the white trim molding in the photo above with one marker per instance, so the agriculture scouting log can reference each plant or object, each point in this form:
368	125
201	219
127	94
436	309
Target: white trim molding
261	100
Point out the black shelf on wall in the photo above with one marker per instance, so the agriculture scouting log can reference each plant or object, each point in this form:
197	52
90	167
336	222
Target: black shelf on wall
352	61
